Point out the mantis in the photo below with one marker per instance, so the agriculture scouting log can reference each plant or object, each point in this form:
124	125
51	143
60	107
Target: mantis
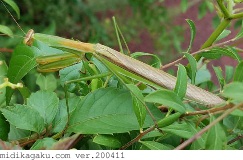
118	63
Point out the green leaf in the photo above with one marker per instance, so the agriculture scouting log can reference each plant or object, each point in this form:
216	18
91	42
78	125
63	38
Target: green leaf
105	111
95	84
202	9
9	146
101	67
24	117
193	67
157	61
14	7
50	29
46	82
4	128
3	73
138	103
237	112
6	30
210	54
234	91
181	82
219	75
180	129
238	1
167	98
107	140
25	93
46	103
22	61
193	33
200	142
216	21
238	75
232	52
229	72
153	134
16	133
70	73
203	75
224	34
217	52
184	5
64	143
210	5
61	118
45	143
139	110
155	145
169	120
240	33
216	137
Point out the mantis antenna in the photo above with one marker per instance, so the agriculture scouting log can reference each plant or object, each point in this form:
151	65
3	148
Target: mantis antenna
13	17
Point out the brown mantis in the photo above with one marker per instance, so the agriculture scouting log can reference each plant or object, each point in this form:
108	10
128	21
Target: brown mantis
119	64
116	62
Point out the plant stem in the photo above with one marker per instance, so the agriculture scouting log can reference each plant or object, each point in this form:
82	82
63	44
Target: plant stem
230	6
60	134
6	50
138	137
216	33
198	135
235	139
199	51
209	111
236	16
223	9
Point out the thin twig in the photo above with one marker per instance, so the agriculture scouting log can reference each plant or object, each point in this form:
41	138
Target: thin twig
68	143
198	135
209	111
74	142
138	137
235	139
199	51
6	50
201	119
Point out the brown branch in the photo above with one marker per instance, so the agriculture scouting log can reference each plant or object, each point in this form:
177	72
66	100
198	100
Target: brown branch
201	119
138	137
67	143
199	51
209	111
27	140
6	50
74	142
235	139
198	135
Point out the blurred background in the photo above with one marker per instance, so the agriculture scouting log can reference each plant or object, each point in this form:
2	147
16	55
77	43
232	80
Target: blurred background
153	26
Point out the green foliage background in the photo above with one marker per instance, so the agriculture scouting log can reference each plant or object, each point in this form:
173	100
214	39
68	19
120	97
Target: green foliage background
90	21
91	102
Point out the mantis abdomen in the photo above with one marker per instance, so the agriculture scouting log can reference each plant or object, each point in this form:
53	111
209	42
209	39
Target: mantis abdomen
157	76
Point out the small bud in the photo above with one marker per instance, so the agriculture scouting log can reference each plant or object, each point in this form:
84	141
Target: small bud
19	85
5	79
